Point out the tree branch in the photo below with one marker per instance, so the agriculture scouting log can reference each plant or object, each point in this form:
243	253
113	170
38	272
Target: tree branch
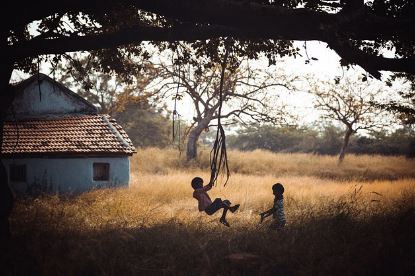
201	20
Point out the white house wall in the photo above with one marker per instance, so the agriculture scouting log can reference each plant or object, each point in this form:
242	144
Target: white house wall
49	100
69	175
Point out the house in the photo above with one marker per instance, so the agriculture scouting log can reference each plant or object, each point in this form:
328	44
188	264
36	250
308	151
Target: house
55	141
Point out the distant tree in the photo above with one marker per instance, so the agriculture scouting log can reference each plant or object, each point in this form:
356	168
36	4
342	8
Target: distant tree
103	89
325	140
126	99
248	95
274	138
329	140
145	124
349	103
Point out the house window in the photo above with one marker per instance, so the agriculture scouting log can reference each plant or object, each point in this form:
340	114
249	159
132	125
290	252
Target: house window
17	173
101	171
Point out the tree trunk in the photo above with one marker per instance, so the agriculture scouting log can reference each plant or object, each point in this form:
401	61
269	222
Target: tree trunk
191	152
6	195
347	135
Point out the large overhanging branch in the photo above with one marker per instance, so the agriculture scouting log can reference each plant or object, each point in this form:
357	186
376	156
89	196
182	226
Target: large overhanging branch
135	35
230	13
284	21
370	62
226	18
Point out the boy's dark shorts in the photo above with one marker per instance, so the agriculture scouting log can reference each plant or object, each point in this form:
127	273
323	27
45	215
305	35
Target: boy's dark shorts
216	205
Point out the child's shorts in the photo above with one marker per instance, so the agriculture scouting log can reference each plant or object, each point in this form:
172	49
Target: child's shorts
216	205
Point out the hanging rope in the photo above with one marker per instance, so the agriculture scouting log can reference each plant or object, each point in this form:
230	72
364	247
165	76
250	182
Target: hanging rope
218	154
38	79
176	115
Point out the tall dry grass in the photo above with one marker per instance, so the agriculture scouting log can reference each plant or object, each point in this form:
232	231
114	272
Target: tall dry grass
260	162
335	225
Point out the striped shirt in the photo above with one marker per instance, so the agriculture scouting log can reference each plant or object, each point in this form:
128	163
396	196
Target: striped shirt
279	210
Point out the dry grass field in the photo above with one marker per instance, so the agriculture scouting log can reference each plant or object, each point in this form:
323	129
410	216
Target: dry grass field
353	219
260	162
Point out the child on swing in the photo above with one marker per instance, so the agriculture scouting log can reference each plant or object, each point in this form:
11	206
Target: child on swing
205	203
278	209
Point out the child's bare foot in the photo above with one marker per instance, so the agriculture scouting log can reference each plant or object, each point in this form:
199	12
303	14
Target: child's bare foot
234	208
224	222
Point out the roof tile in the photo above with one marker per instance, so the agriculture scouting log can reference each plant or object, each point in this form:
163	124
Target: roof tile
74	134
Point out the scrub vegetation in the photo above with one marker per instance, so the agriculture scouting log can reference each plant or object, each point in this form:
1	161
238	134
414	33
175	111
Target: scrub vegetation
353	219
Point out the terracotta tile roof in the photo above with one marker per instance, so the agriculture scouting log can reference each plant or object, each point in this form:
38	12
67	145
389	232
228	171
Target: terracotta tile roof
79	134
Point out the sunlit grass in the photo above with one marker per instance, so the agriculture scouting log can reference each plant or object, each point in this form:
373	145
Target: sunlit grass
155	199
260	162
363	208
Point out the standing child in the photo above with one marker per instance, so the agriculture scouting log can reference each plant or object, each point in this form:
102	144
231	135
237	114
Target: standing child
206	204
278	209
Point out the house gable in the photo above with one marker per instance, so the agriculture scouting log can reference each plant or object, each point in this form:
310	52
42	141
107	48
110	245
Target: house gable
41	96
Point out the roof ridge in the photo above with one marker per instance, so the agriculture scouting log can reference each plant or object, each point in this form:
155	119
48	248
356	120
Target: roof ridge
115	131
48	117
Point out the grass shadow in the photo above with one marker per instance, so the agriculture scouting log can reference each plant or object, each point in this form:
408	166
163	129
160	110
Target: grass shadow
337	245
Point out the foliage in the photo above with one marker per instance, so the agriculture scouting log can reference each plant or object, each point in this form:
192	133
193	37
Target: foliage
206	27
145	125
325	141
102	89
404	106
272	138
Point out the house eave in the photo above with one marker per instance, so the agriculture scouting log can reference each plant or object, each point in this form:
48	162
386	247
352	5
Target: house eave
63	155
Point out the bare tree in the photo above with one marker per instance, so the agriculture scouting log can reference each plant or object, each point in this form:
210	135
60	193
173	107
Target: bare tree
109	92
248	96
349	102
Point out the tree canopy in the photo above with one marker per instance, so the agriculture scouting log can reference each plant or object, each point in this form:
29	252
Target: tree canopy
359	31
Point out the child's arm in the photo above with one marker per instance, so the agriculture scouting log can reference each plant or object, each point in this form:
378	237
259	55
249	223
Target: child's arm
207	187
267	213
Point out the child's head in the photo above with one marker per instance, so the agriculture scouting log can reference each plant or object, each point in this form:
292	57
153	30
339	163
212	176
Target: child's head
277	189
197	183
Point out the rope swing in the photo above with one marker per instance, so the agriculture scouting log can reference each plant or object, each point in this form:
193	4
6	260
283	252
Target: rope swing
218	154
176	116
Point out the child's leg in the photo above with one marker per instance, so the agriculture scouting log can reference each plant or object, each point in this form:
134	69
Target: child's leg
215	206
231	208
221	204
225	211
223	217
